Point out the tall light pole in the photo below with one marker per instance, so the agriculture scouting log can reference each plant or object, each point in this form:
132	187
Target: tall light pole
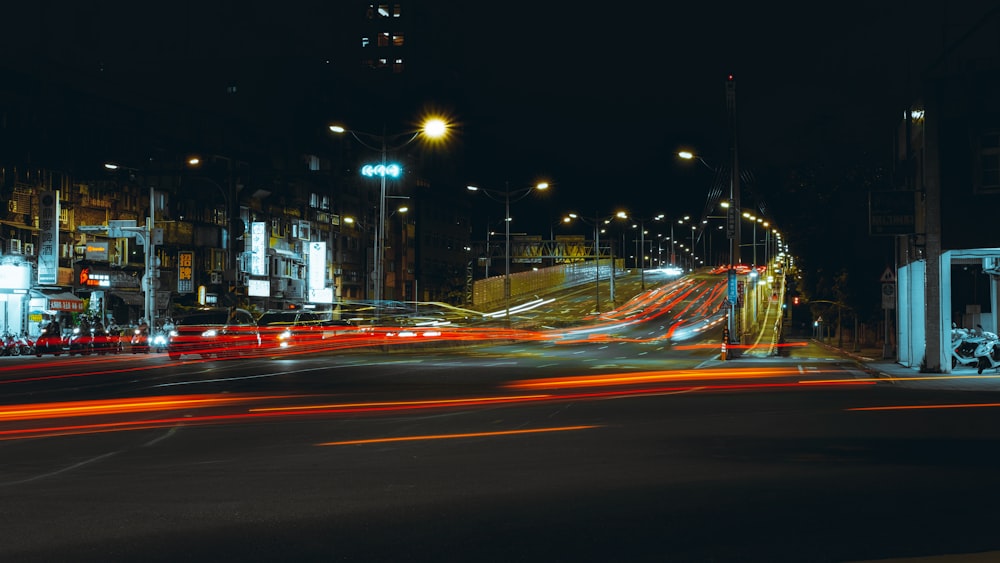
433	128
507	193
597	222
642	246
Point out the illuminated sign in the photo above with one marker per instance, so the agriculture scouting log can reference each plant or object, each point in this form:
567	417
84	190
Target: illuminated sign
90	278
318	291
384	170
185	272
48	235
258	249
14	277
258	288
96	251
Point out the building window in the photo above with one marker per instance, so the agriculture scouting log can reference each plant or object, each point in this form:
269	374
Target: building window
397	39
397	66
383	10
988	175
366	41
397	10
383	39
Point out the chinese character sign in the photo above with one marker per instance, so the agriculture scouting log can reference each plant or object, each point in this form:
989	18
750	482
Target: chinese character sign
48	249
185	272
258	249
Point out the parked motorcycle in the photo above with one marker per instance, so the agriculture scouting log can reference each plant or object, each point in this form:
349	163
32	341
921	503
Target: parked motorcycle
9	345
963	347
26	345
988	352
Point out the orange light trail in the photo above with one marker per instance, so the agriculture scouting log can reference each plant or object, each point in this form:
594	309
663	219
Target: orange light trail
117	406
651	377
432	403
454	436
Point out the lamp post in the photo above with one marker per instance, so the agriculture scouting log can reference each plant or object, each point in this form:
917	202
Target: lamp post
642	246
732	221
433	128
597	222
507	194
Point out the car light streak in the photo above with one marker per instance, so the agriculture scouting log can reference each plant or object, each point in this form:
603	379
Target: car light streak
436	402
123	407
454	436
117	406
931	407
651	376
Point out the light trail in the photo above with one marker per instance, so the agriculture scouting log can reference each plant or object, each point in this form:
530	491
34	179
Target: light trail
928	407
455	436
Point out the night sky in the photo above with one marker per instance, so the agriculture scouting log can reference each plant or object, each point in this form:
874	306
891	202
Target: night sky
595	98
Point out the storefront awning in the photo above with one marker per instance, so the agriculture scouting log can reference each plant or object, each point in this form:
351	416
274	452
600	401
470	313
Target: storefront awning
64	302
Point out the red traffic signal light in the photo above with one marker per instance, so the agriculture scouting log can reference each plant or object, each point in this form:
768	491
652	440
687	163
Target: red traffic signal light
795	300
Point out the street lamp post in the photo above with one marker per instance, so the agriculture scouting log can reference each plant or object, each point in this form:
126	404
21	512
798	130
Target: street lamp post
507	194
642	247
433	128
597	255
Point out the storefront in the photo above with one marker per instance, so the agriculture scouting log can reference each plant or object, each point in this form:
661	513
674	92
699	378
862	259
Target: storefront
45	304
15	281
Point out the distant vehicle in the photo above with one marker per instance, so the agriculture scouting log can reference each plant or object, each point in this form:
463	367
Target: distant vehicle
302	329
214	332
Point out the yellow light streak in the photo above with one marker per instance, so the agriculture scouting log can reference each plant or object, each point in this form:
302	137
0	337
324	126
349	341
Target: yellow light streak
921	407
454	436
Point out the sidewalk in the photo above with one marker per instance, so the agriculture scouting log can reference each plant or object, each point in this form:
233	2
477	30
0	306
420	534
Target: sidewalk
960	379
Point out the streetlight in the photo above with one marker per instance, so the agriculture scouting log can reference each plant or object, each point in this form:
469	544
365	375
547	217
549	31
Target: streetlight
597	222
432	128
733	233
507	194
642	245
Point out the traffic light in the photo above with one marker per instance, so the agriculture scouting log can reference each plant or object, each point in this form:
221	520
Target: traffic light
795	300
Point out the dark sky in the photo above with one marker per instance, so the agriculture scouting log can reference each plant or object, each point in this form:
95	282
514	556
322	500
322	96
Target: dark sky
596	98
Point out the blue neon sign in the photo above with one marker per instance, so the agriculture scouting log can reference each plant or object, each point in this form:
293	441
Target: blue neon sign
387	170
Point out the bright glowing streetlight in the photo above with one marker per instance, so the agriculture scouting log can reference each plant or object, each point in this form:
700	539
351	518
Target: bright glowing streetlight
434	128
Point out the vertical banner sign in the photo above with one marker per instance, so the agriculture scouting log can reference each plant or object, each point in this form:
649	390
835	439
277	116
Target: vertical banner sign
258	249
185	272
48	250
317	265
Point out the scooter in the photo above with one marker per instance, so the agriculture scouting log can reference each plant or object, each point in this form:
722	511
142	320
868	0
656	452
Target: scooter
81	341
11	346
988	353
50	341
26	345
963	347
140	339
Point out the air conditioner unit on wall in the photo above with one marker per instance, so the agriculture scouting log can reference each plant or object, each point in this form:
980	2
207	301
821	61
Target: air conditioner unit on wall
216	277
29	248
15	246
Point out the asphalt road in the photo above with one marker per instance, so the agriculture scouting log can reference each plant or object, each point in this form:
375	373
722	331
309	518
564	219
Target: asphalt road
620	448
